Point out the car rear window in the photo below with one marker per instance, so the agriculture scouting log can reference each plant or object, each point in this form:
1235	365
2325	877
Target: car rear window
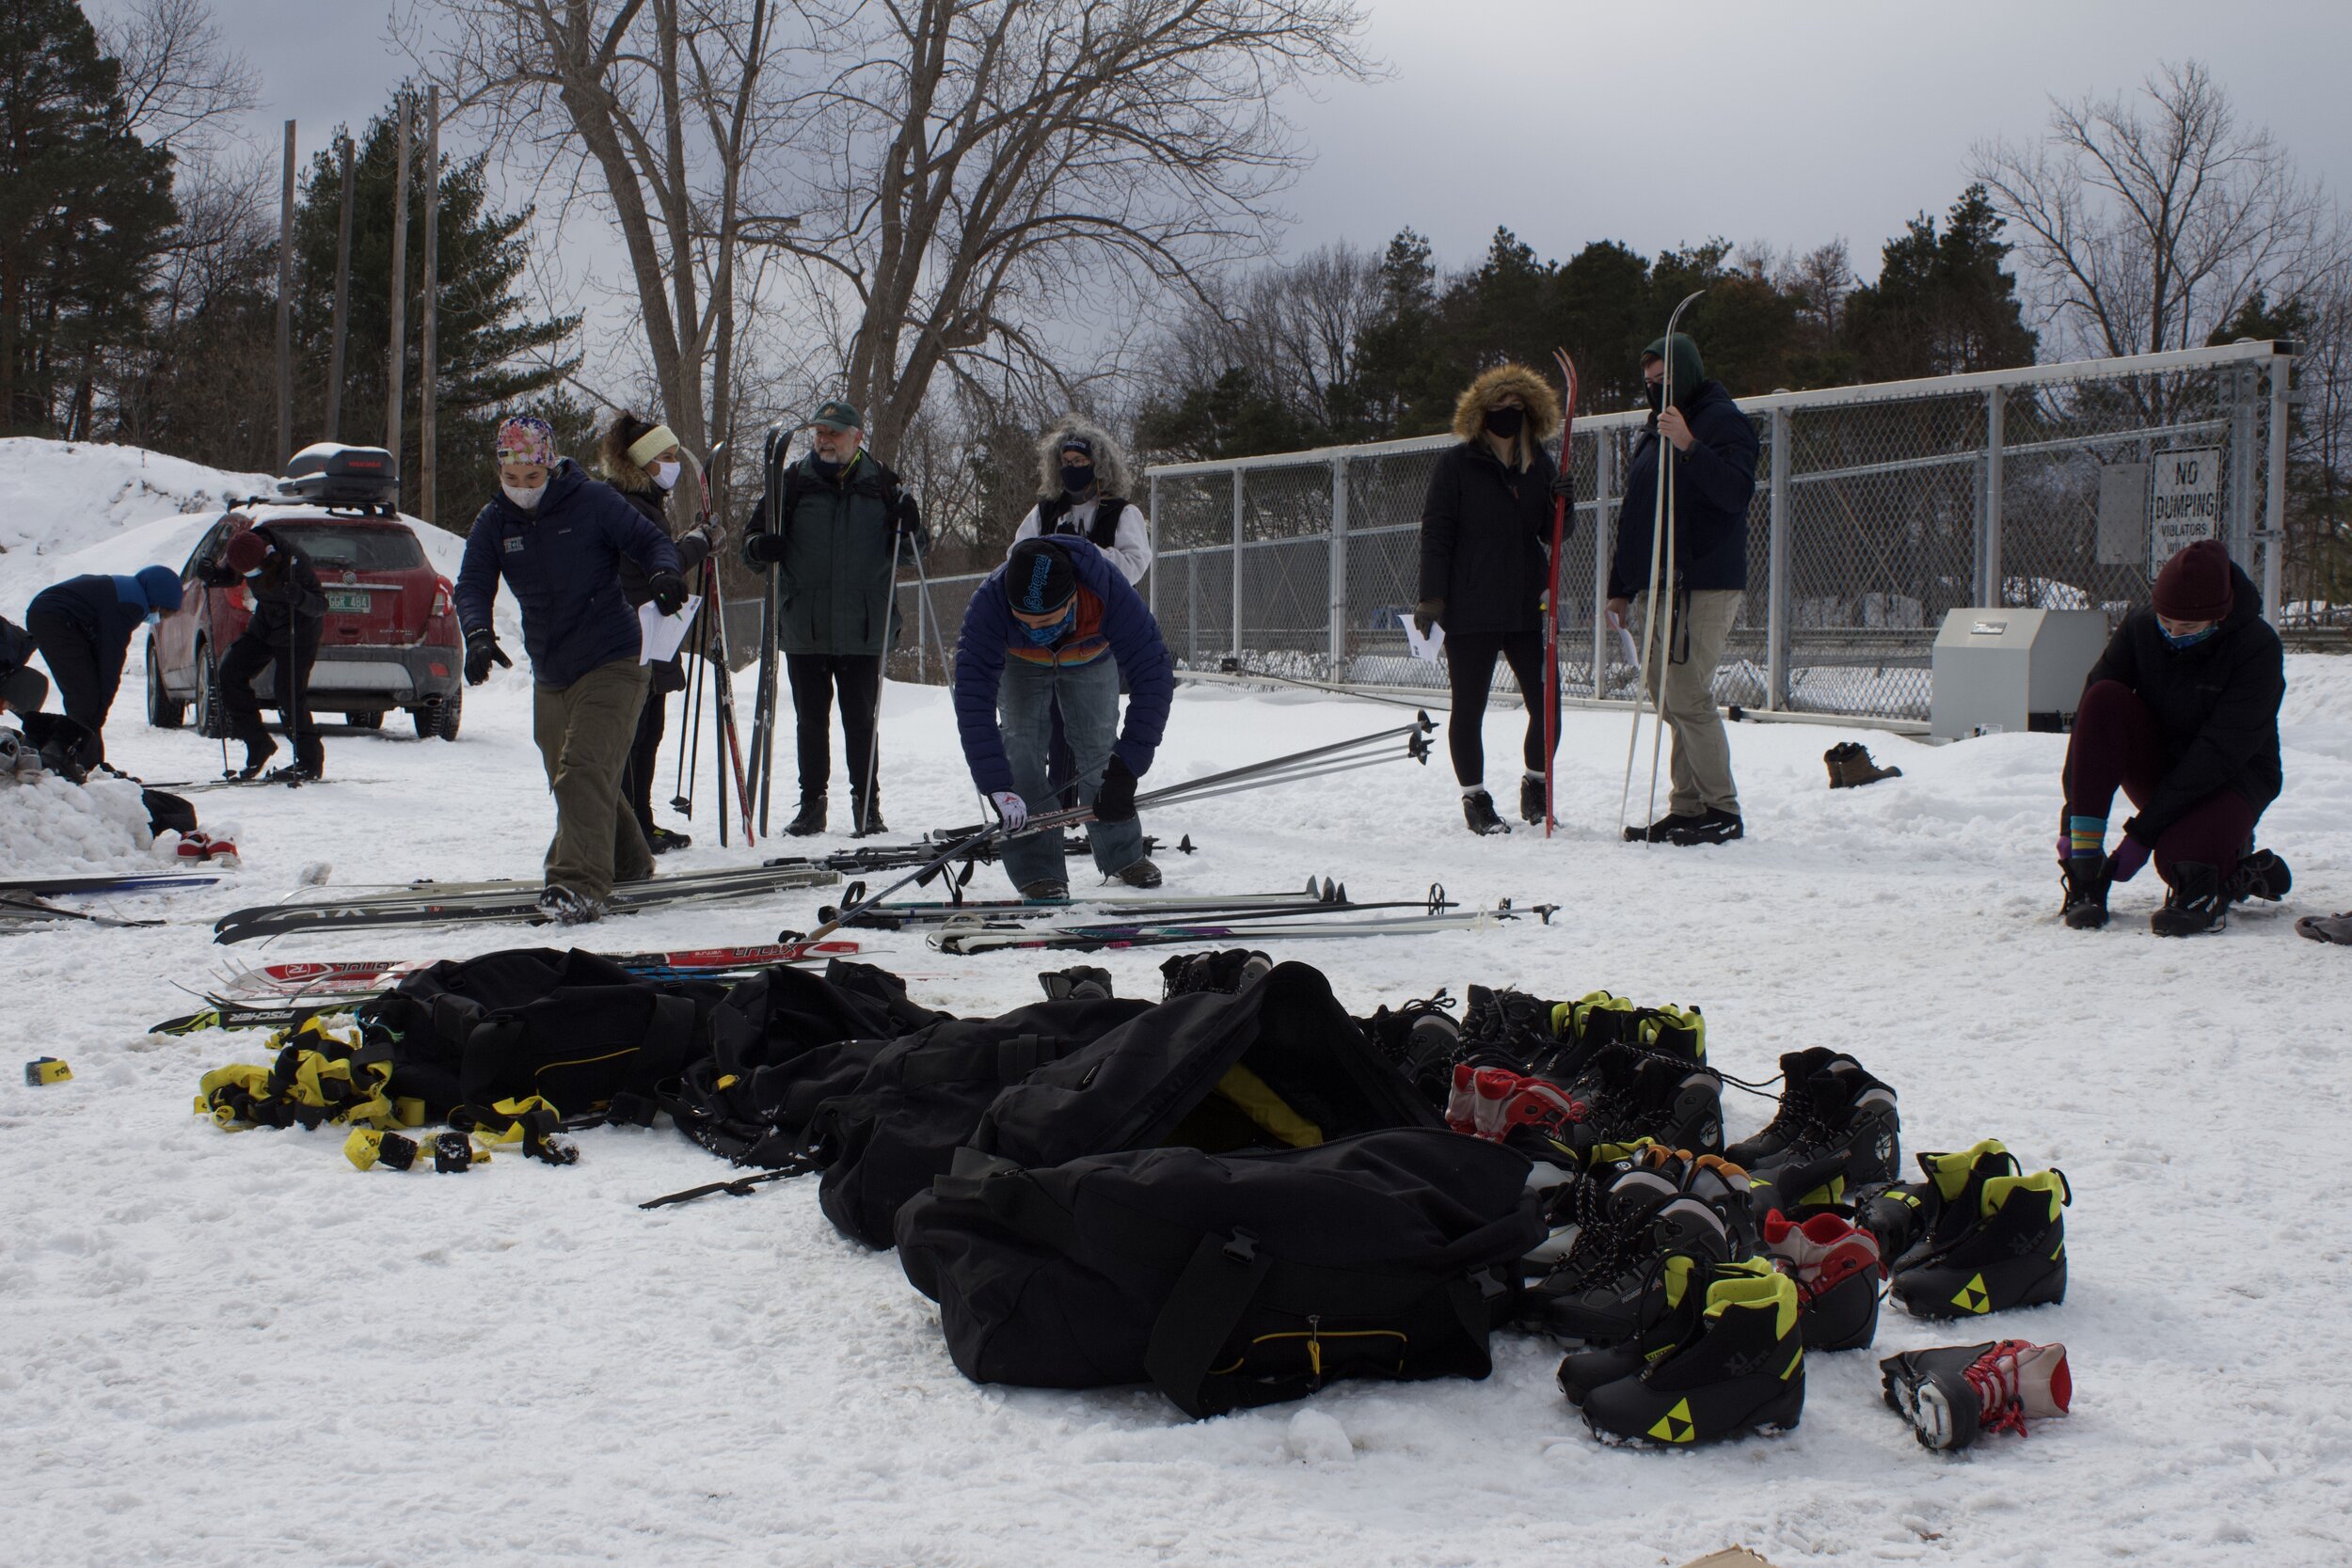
348	548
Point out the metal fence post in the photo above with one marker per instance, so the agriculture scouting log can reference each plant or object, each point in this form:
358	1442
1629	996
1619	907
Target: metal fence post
1991	587
1237	526
2275	491
1776	580
1338	552
2241	524
1151	530
1604	484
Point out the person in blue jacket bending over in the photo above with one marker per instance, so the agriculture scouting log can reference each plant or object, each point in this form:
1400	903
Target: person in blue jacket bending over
82	627
1057	620
558	538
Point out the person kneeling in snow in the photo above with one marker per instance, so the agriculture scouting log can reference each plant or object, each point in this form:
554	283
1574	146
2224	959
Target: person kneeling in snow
558	537
2182	713
83	627
1037	632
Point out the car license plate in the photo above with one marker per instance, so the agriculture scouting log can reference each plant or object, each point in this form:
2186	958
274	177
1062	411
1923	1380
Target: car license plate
341	599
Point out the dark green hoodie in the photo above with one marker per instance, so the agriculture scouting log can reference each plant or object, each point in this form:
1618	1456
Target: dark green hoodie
1684	366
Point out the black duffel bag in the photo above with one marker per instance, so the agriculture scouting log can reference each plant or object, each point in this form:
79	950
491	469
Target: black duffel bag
1226	1281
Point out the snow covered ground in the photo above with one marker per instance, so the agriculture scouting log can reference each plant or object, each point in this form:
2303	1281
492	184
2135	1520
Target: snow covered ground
232	1349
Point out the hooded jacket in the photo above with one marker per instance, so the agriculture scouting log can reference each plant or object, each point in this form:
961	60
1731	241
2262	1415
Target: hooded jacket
107	608
1486	527
562	563
286	592
840	546
2215	704
635	485
1714	481
1110	520
1109	610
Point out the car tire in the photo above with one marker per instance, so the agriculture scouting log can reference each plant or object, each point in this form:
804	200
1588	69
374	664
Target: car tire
162	712
372	718
439	715
212	716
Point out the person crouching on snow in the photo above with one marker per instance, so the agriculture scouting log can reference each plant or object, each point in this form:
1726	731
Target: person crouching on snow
2182	714
1058	622
558	538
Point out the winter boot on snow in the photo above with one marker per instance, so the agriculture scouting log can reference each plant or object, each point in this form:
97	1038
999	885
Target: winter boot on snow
1608	1282
2259	873
1078	983
865	817
566	907
257	754
1665	829
2195	902
1532	797
1139	874
1851	766
1954	1394
1708	827
2011	1253
1914	1218
1478	810
1838	1268
2087	880
1741	1369
1682	1292
1424	1041
663	840
1838	1128
811	819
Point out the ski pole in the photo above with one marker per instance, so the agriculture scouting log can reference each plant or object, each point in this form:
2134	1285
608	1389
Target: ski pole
1661	524
962	847
881	677
725	688
930	607
1558	537
692	720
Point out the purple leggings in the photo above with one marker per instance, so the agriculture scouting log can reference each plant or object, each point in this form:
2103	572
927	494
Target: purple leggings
2116	745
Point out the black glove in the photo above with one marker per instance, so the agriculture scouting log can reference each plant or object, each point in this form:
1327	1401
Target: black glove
1564	484
1115	797
482	651
669	591
909	520
1428	613
763	549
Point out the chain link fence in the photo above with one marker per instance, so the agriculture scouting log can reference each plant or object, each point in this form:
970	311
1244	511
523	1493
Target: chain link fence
1877	509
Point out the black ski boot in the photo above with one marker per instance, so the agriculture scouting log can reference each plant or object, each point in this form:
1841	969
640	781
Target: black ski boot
1478	810
1664	830
1683	1281
1740	1369
2010	1251
1043	891
2087	880
1078	983
1532	797
2258	874
1953	1394
1838	1130
1905	1215
2196	902
1139	874
1837	1266
865	817
1603	1269
811	819
257	755
663	840
1708	827
1424	1042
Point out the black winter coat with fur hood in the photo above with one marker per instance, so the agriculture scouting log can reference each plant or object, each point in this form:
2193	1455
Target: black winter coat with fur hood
1485	538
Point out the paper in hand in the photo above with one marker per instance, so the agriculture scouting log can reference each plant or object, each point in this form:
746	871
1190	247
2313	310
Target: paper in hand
658	635
1421	647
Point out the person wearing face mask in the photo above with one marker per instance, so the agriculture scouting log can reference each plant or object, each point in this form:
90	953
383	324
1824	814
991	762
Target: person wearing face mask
1082	484
289	617
2181	713
641	460
1714	448
1485	550
1057	623
558	538
834	537
82	628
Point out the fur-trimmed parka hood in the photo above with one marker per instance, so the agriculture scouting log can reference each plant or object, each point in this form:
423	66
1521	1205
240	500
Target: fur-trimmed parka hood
614	466
1111	474
1543	404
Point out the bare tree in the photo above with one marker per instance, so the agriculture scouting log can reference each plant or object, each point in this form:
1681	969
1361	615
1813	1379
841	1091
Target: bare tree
1292	326
181	83
2146	224
979	167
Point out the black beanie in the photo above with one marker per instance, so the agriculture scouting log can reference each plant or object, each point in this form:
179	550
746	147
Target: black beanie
1038	578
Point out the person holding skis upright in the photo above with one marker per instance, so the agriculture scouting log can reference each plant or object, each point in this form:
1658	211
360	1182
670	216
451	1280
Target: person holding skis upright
641	459
282	636
1486	552
2182	714
839	531
1714	448
1058	622
82	628
558	538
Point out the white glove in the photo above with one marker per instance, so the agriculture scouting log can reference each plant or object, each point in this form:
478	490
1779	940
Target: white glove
1010	807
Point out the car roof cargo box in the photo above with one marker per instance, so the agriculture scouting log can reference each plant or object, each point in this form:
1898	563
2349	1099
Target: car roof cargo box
332	474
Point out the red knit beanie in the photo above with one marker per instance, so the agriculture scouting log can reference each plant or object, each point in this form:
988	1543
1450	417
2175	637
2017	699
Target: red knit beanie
2195	584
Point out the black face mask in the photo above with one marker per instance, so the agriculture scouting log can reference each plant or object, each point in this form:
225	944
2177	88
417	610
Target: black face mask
1505	422
1656	392
1077	481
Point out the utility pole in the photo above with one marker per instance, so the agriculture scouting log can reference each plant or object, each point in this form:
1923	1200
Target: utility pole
396	376
343	302
285	306
428	379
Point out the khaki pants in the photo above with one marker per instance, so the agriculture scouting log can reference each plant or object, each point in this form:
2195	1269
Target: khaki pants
584	731
1702	752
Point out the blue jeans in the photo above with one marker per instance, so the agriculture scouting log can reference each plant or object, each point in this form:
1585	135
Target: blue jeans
1089	695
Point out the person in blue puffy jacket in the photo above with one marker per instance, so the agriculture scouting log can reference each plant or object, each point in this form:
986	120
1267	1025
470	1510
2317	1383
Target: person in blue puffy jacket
82	627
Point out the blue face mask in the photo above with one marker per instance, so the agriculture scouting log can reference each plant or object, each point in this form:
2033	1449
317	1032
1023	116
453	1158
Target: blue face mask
2188	642
1047	636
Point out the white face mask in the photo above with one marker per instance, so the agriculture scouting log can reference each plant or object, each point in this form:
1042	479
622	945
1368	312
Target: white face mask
527	499
665	474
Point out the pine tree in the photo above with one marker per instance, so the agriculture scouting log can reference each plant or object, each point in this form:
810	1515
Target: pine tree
1942	303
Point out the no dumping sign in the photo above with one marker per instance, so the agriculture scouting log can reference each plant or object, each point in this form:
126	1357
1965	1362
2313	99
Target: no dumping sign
2187	504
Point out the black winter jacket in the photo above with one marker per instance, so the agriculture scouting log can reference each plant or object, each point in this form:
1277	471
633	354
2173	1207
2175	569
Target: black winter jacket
835	560
2215	704
692	547
16	647
286	593
1713	484
1485	540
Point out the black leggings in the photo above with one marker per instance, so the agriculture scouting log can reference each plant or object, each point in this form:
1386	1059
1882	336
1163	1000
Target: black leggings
645	755
815	679
1470	658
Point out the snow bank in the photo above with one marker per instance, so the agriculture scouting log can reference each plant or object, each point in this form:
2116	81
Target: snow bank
58	497
49	824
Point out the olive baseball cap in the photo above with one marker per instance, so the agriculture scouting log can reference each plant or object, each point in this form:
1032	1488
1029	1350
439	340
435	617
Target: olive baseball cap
837	414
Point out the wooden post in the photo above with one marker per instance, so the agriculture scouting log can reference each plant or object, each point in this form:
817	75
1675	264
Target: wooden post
343	302
285	306
396	372
428	378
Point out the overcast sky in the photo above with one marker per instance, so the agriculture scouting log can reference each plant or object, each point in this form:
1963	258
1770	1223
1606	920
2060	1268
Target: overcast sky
1653	123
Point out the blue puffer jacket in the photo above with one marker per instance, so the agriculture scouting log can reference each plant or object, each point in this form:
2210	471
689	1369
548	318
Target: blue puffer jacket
110	608
990	632
562	564
1714	481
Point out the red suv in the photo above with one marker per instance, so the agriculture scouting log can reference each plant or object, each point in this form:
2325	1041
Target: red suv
391	638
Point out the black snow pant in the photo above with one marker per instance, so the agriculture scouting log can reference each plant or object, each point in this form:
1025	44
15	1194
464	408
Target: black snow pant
1470	658
816	679
248	656
644	757
86	686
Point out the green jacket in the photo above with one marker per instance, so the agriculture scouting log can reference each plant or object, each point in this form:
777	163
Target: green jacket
832	582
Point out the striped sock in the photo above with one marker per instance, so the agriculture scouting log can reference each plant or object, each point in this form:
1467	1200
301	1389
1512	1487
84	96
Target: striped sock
2086	836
